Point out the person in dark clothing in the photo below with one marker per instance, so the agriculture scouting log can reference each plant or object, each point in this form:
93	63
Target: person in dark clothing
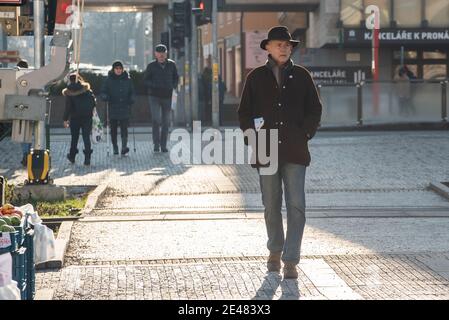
161	78
207	91
282	96
118	91
80	103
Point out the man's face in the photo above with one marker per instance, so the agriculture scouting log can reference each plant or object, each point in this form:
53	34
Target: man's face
160	56
118	71
280	50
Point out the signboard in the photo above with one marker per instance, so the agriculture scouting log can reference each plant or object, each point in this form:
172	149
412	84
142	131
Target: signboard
398	36
132	47
9	56
254	55
339	75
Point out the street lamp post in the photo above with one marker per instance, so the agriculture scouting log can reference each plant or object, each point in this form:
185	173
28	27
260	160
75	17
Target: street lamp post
215	67
373	23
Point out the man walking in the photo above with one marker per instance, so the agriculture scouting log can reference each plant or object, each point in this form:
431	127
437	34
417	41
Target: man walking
118	91
282	96
161	78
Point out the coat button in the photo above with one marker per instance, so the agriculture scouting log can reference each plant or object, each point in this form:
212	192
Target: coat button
283	87
282	123
279	104
280	142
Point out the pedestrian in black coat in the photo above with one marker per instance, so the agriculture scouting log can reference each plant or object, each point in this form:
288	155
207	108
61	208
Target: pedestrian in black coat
80	102
281	97
161	78
118	91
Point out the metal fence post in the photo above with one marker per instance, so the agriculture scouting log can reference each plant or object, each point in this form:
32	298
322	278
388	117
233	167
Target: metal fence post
359	104
444	101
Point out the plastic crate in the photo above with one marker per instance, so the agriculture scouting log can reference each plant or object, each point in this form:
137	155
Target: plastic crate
19	270
30	266
9	241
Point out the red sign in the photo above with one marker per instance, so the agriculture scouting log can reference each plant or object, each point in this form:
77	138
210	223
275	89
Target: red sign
64	12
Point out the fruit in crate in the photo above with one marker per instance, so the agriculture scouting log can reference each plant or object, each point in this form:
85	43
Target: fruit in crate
6	228
2	222
7	220
7	206
9	209
15	221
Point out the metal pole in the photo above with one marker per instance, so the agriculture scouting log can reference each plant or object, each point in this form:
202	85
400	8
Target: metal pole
444	101
39	61
3	42
215	68
194	70
170	9
187	106
359	104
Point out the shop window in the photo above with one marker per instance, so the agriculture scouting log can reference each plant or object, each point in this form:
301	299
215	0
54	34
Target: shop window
351	12
411	55
437	13
384	7
407	13
434	55
413	68
434	72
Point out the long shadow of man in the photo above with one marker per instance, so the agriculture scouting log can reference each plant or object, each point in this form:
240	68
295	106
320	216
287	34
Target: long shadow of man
272	281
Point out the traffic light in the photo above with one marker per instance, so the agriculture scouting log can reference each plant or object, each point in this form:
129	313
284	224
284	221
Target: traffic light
203	12
181	26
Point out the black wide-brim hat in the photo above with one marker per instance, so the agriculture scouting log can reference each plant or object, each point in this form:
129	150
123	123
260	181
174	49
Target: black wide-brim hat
279	33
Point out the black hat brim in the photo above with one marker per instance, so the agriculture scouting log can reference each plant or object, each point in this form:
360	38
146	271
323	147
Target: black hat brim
265	41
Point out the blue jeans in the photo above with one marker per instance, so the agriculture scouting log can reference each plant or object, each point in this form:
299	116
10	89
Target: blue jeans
160	115
293	177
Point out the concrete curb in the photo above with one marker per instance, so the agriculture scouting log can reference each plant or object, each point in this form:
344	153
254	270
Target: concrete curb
65	231
61	244
440	188
92	200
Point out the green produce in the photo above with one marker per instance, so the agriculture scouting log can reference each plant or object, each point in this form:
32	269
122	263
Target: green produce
15	221
7	220
6	228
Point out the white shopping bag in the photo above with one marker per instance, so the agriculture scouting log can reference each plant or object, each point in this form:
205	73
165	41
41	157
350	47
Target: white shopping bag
8	287
44	238
97	134
174	99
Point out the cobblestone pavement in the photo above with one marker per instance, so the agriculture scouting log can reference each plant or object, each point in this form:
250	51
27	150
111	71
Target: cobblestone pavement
377	162
198	238
342	258
320	277
167	231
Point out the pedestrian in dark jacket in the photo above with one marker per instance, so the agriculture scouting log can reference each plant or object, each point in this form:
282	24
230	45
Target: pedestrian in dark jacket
118	91
161	78
282	96
80	103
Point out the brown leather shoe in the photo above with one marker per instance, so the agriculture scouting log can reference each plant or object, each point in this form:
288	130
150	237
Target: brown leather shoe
290	271
274	262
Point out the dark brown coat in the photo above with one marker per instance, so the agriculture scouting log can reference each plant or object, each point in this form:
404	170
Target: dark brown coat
294	109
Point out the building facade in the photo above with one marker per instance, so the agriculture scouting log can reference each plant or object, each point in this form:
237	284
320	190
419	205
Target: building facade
412	32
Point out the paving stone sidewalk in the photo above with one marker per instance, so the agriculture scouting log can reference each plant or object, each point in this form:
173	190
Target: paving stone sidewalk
373	257
354	277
